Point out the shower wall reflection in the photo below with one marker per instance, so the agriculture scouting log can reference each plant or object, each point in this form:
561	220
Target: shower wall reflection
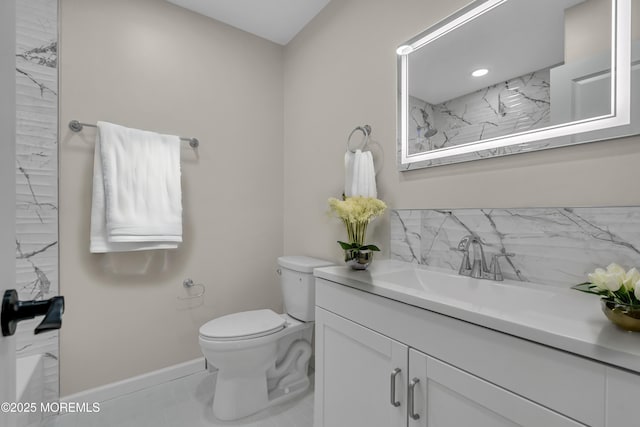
516	105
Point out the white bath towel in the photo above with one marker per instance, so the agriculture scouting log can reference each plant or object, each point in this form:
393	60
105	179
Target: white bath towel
360	177
137	198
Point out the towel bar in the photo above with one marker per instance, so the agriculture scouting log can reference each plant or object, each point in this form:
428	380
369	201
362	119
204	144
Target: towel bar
76	126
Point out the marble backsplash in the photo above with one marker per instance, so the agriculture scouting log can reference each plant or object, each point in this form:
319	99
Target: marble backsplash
553	246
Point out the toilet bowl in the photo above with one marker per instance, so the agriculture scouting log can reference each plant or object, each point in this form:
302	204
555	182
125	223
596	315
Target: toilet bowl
262	357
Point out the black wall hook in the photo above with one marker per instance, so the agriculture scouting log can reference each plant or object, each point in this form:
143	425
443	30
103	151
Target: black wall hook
14	310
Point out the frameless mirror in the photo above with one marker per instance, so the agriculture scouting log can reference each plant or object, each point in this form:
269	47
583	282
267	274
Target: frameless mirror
502	77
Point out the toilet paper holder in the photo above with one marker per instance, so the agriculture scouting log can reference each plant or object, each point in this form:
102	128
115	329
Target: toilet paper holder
189	284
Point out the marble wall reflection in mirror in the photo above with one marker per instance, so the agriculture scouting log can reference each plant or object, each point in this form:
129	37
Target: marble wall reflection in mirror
502	77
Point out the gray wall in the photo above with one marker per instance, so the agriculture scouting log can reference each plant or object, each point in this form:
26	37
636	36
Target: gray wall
151	65
7	179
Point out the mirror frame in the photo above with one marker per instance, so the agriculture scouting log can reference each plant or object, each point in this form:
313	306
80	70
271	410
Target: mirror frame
548	137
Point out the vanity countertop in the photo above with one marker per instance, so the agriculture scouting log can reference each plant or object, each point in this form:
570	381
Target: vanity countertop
558	317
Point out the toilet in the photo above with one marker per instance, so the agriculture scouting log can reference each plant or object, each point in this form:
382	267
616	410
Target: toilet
262	357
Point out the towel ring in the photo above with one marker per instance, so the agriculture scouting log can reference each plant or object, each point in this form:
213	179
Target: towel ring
188	284
366	130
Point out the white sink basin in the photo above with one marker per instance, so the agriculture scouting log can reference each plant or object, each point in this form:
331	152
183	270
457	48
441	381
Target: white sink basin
444	285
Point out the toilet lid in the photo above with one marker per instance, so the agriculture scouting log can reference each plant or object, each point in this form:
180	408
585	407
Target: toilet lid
243	325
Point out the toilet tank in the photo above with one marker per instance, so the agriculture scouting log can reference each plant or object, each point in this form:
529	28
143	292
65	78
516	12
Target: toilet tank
298	285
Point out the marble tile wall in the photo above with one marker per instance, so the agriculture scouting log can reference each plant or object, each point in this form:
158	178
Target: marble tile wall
517	105
37	174
553	246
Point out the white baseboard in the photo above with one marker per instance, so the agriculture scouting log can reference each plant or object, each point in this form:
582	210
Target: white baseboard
140	382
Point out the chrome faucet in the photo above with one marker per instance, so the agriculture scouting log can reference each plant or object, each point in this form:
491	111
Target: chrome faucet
478	267
495	273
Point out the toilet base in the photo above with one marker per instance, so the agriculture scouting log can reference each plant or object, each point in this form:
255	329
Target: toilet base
279	396
227	407
237	397
245	389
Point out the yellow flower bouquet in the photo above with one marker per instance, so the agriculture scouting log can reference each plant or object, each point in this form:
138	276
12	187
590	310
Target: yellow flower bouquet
356	213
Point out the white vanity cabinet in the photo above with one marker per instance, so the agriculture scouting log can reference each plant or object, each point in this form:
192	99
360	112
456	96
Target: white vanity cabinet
380	362
366	372
444	396
366	379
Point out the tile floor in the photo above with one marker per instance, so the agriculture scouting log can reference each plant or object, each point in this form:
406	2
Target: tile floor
185	402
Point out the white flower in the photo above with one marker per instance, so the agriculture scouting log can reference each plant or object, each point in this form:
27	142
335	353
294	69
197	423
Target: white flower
614	281
599	278
614	268
631	278
610	279
616	277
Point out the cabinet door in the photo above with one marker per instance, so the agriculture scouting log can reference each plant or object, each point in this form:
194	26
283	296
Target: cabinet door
354	376
623	390
445	396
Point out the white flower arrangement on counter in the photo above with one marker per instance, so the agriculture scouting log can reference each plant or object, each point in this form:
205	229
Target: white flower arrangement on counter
356	213
614	284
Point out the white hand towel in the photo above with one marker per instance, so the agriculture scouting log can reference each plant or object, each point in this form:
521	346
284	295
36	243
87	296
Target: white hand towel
362	179
137	198
348	172
363	176
372	190
355	183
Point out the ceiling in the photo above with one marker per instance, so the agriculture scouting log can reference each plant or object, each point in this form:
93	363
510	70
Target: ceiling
512	40
275	20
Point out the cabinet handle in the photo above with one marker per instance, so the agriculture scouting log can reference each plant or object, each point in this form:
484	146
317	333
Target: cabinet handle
411	398
394	374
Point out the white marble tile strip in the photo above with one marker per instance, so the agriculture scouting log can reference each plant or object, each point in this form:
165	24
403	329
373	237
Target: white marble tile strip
37	174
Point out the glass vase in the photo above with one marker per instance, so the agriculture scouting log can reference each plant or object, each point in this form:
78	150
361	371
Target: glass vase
358	259
624	315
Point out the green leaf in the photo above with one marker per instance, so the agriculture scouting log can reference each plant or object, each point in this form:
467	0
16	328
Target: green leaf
346	246
589	288
370	247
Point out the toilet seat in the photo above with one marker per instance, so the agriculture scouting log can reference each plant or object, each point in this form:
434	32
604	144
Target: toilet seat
243	326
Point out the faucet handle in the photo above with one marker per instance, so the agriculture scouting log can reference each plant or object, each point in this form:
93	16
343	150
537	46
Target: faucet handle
463	245
465	265
494	269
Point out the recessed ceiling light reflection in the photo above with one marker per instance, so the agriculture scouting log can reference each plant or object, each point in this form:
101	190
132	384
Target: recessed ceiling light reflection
480	72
